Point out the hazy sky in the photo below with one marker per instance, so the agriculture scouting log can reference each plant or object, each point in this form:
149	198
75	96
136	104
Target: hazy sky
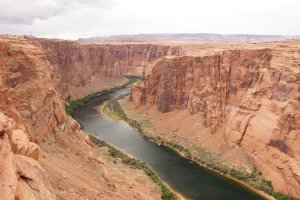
71	19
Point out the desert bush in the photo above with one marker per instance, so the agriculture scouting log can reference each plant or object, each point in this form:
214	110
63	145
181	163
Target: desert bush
137	164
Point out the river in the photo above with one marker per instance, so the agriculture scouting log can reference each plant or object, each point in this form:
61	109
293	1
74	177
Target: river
184	176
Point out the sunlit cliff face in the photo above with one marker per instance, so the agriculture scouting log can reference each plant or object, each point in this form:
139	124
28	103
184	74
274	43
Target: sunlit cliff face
250	97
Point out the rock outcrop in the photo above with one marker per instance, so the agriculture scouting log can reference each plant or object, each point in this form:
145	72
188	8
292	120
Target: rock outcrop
21	175
251	97
31	110
28	89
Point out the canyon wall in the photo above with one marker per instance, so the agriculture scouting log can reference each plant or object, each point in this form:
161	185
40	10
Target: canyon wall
76	65
37	77
30	109
249	97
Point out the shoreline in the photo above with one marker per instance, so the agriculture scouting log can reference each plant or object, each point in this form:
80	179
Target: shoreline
73	104
178	152
167	192
231	178
181	196
182	154
237	181
145	167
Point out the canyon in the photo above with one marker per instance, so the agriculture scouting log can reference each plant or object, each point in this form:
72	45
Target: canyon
240	102
37	137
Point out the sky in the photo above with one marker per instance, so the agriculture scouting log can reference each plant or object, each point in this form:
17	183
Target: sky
72	19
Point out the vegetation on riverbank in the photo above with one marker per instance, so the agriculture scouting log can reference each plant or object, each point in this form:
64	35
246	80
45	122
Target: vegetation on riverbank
71	105
254	178
136	164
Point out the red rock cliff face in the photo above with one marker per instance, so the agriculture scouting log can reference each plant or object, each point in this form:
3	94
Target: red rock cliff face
76	64
30	109
250	96
28	88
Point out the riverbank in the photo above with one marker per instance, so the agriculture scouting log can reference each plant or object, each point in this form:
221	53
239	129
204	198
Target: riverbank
166	192
252	181
71	105
238	176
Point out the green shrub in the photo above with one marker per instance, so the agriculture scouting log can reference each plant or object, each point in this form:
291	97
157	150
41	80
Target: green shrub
137	164
69	109
98	142
70	106
280	196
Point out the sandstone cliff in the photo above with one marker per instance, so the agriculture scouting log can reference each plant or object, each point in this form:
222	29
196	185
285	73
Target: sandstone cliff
31	108
250	98
77	65
37	77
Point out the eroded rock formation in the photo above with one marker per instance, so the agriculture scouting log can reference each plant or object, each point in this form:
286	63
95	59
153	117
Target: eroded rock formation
21	175
249	96
37	77
77	65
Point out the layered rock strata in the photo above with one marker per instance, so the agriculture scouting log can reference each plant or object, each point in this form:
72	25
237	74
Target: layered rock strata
77	65
249	97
